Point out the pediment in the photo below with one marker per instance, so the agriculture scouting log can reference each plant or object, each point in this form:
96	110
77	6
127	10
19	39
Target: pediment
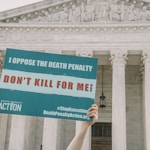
78	11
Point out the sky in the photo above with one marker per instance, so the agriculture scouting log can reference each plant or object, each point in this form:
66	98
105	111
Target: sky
10	4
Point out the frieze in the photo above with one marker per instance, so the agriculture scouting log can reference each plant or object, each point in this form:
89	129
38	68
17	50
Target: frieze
83	34
3	36
15	36
46	37
95	38
31	36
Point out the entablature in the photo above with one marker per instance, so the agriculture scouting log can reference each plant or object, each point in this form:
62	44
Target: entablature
75	36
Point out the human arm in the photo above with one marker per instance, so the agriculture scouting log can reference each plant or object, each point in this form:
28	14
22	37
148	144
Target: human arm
77	141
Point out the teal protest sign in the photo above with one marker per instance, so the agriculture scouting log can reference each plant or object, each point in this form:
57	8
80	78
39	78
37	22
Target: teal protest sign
47	85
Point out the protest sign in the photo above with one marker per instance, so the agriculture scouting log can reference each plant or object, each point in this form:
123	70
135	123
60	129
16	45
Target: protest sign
47	85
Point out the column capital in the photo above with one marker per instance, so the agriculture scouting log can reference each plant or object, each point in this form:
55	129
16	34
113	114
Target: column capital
146	56
118	56
87	53
141	70
53	52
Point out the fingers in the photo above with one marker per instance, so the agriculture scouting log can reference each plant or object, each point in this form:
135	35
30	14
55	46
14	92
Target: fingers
93	107
93	112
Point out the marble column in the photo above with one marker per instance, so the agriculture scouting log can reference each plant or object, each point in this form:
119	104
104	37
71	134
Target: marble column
3	117
49	134
146	61
17	132
3	129
118	59
50	127
87	140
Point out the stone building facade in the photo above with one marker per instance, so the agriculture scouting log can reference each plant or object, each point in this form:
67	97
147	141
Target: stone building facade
117	32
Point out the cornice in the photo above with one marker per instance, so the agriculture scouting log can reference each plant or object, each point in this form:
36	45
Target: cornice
78	27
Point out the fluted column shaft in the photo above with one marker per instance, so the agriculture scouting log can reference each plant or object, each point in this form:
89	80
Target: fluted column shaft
50	128
118	100
146	61
87	139
17	133
3	117
3	129
49	134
